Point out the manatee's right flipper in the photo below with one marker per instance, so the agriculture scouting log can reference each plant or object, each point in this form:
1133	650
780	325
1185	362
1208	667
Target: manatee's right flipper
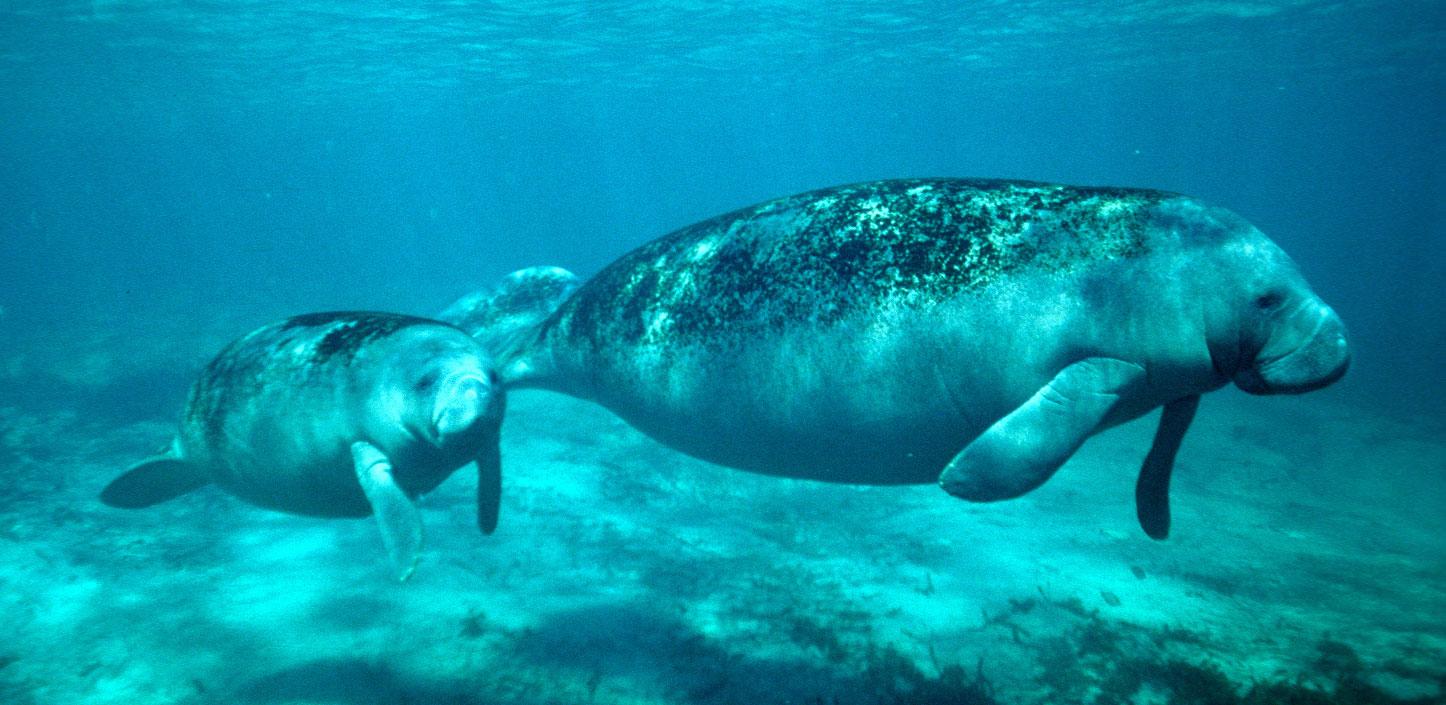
156	479
1023	449
1152	489
397	517
489	484
500	316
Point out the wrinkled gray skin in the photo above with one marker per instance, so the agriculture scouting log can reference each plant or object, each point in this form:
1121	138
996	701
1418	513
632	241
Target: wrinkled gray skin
335	415
973	333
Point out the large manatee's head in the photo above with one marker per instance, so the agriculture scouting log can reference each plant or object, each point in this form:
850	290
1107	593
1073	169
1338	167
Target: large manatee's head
1270	333
1297	344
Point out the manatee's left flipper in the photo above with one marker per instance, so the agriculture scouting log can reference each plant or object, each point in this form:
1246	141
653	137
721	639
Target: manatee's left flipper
1023	449
398	518
489	485
1152	490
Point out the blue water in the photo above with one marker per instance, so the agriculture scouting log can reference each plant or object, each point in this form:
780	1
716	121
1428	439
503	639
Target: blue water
290	155
173	174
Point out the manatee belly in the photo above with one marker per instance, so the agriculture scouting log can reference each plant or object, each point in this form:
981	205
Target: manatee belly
290	464
860	402
841	450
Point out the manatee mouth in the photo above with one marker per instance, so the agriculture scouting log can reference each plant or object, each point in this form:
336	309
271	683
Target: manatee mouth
1258	380
1318	362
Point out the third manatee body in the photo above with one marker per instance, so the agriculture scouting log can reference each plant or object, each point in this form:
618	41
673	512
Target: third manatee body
969	332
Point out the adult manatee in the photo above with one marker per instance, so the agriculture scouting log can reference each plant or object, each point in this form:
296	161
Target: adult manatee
968	332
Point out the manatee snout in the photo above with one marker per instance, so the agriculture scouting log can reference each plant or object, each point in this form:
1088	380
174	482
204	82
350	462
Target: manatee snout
463	399
1307	352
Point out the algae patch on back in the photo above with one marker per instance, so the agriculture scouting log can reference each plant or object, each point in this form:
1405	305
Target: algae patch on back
820	256
288	352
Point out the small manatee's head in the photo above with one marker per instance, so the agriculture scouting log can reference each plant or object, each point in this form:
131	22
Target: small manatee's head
454	393
1279	337
463	395
436	384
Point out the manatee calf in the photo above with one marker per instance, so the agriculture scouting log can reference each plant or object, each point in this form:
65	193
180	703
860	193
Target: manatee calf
336	415
968	332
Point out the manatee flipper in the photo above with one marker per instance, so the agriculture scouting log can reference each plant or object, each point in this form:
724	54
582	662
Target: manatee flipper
1152	489
156	479
489	485
1023	449
397	517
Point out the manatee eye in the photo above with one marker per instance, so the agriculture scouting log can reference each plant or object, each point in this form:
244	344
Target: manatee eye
426	381
1269	300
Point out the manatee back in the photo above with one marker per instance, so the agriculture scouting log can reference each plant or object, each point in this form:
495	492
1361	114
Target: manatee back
301	356
500	318
816	258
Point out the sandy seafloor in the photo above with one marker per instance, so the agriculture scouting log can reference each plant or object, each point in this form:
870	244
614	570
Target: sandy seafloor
1307	565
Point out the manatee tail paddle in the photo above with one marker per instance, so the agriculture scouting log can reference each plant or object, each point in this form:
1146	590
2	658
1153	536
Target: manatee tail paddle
159	478
500	317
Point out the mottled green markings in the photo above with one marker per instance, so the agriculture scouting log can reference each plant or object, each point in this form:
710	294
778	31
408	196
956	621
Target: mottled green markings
349	332
289	352
820	256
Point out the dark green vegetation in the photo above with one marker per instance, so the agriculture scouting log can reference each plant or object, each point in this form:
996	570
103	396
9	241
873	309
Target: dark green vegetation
1101	662
890	677
1205	683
